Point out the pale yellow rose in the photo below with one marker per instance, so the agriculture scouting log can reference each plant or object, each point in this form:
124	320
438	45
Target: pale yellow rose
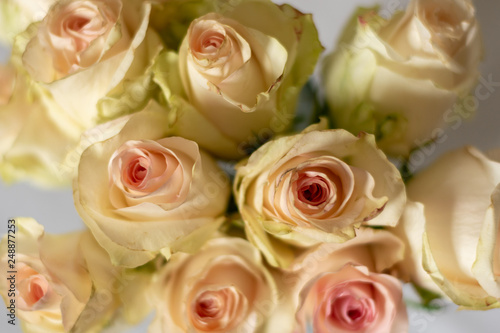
241	69
401	78
51	282
37	135
86	52
317	186
16	15
460	237
341	288
224	287
141	192
79	66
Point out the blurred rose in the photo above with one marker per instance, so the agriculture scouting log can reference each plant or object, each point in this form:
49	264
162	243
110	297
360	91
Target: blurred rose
461	238
401	78
225	287
16	15
339	288
242	69
91	48
140	191
52	285
36	135
317	186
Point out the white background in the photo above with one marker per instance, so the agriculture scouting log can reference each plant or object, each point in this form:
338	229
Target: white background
54	209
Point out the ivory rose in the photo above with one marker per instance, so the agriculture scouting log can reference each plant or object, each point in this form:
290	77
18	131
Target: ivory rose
141	192
241	69
17	15
92	48
224	287
52	285
459	233
401	78
36	134
317	186
340	288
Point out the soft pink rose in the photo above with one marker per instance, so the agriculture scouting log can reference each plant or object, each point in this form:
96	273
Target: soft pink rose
352	300
341	288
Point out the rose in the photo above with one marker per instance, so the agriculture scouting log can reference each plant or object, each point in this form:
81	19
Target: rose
460	227
415	67
352	299
317	186
241	69
224	287
141	192
338	287
15	16
51	284
92	48
108	66
36	134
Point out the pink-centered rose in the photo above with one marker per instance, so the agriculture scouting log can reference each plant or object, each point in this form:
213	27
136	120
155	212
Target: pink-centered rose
315	187
93	48
52	283
224	287
141	192
353	300
341	288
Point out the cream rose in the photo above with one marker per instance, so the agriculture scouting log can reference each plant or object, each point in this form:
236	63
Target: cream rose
340	288
17	15
141	192
317	186
91	48
241	69
36	135
415	68
459	233
52	285
224	287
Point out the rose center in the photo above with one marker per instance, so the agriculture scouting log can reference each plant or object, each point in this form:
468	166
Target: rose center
77	24
313	190
350	312
208	306
212	43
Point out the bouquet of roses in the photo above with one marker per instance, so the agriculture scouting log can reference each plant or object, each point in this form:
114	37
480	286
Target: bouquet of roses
227	189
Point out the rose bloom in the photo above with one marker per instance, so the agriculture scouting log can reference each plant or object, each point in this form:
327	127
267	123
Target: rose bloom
97	49
35	132
224	287
52	285
457	240
141	192
317	186
90	48
17	15
415	68
241	68
340	288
